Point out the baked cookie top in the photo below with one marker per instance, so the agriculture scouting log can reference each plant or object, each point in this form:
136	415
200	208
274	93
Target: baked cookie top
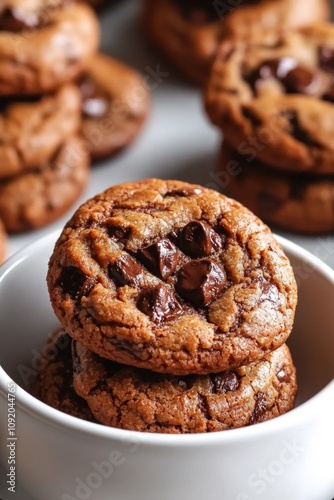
130	398
274	99
172	277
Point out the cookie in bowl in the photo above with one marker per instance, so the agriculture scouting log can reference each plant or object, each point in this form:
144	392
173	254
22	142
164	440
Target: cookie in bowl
131	398
171	277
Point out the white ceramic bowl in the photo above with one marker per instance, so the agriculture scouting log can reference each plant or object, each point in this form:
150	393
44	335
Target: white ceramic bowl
58	457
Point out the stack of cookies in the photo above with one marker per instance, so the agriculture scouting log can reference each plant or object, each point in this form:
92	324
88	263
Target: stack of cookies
61	105
177	302
274	103
190	31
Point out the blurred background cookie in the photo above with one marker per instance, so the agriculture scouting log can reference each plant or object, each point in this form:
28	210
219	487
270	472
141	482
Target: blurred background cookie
296	202
189	31
115	104
274	100
32	130
39	196
44	44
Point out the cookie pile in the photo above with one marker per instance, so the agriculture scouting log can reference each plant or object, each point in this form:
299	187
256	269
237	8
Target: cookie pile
62	104
190	31
274	102
178	301
44	46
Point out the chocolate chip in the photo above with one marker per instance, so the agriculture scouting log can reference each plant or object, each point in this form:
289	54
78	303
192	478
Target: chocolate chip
15	20
282	376
94	101
77	367
161	259
198	239
294	77
326	57
224	382
185	383
184	192
302	80
203	406
159	304
200	281
119	233
74	282
125	271
259	409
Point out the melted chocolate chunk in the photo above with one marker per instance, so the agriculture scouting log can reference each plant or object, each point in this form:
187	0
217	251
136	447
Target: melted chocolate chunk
259	409
159	304
326	57
302	81
95	103
200	282
15	20
198	239
224	382
119	233
125	271
74	282
282	375
161	259
184	192
294	77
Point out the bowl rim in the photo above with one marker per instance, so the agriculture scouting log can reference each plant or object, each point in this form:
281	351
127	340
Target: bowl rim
55	418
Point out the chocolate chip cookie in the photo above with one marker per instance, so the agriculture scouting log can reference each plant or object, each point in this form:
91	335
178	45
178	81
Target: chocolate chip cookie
141	400
297	202
115	104
54	382
3	242
31	130
171	277
33	199
274	100
189	31
44	44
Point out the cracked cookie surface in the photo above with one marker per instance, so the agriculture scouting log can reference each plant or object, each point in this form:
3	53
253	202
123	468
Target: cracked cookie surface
190	31
172	277
274	100
53	384
44	44
135	399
